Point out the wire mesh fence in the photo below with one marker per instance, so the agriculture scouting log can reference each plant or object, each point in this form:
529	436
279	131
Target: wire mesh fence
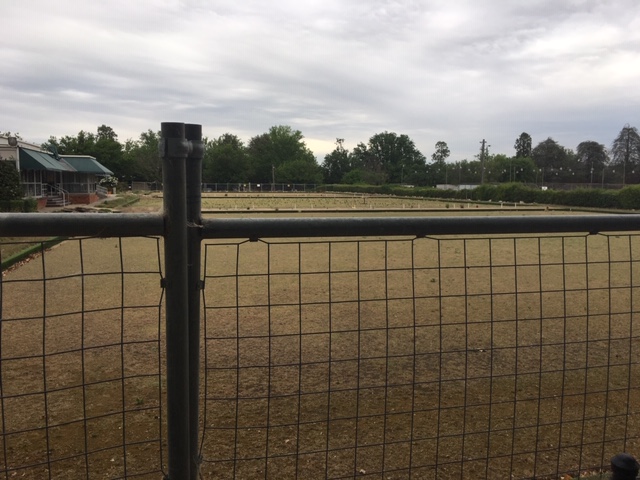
81	362
442	357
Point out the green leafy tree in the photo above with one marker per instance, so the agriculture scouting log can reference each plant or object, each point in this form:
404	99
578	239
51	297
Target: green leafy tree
438	169
549	154
336	164
442	152
142	157
225	160
503	169
108	151
625	150
556	163
106	133
497	169
10	188
81	144
299	171
354	177
280	145
592	158
103	146
523	146
467	172
369	166
386	157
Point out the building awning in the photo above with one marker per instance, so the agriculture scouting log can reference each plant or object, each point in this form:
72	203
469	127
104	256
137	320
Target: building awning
34	160
86	164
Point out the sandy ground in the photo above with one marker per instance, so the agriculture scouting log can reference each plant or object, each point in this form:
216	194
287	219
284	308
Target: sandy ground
427	358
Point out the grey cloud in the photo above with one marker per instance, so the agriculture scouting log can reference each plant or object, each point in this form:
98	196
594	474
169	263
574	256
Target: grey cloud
457	71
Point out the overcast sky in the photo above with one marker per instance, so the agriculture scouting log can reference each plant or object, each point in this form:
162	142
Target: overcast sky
451	70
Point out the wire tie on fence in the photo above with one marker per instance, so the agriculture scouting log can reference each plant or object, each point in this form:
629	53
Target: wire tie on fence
163	282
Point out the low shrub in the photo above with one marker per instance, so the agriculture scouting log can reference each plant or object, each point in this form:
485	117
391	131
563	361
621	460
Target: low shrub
19	205
627	198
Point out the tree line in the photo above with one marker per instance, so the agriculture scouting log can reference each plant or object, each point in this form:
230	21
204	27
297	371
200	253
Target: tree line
281	155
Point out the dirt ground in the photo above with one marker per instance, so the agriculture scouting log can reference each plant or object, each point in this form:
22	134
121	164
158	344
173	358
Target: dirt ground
375	358
88	336
482	358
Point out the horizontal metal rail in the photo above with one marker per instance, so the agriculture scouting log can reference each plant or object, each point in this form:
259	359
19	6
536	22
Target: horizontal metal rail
133	225
254	228
80	224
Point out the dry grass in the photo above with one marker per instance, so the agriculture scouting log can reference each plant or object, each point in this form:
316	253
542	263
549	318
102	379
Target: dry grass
477	358
93	350
493	370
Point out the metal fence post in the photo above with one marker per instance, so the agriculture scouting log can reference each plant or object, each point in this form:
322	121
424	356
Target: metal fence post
174	150
193	134
624	467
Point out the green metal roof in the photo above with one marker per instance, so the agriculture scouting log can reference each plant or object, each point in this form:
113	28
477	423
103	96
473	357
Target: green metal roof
86	164
34	160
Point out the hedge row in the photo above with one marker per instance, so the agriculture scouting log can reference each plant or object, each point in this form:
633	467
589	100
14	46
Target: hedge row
19	205
627	198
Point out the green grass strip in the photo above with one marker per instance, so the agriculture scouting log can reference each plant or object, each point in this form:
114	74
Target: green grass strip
37	248
118	202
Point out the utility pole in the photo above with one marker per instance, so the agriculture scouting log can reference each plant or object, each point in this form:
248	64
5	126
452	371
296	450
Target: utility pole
482	161
273	178
626	159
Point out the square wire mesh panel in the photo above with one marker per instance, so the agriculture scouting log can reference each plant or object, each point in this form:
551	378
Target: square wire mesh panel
80	365
434	358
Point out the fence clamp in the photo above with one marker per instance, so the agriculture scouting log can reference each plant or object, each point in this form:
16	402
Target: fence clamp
174	147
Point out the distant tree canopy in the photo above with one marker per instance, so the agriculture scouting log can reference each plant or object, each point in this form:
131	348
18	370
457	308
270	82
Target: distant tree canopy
592	158
281	155
141	158
549	154
225	160
387	158
336	164
625	150
271	152
278	155
442	152
502	169
103	145
523	145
